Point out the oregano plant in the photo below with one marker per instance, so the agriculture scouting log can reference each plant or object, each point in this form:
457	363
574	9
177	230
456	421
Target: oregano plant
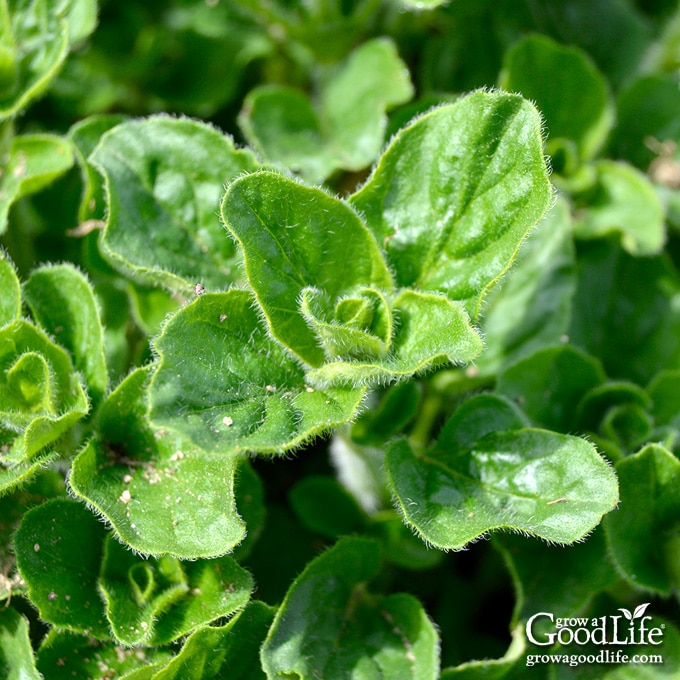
336	343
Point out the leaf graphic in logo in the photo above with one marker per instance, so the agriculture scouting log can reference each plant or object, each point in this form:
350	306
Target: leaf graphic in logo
626	613
640	611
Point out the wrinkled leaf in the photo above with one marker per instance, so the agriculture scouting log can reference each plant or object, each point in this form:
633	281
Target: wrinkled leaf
163	180
456	192
34	161
330	626
59	547
294	238
224	384
159	491
62	301
227	651
480	478
431	330
157	601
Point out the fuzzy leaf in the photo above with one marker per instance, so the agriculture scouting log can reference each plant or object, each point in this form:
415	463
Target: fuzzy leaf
34	42
456	192
431	330
159	491
330	626
59	548
577	105
157	601
643	531
10	300
345	126
62	301
295	237
542	483
40	395
164	178
624	201
224	384
16	654
34	162
64	656
227	651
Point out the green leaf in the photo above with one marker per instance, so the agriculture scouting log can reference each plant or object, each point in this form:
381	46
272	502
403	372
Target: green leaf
16	654
164	178
664	392
549	485
34	162
62	301
623	200
10	301
456	192
343	128
157	601
34	41
228	651
226	386
549	384
64	656
531	307
82	19
41	397
330	626
85	136
577	105
431	330
643	531
295	237
159	491
613	287
59	547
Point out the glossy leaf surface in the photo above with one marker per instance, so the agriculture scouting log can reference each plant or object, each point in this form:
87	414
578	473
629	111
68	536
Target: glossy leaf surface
484	474
456	192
